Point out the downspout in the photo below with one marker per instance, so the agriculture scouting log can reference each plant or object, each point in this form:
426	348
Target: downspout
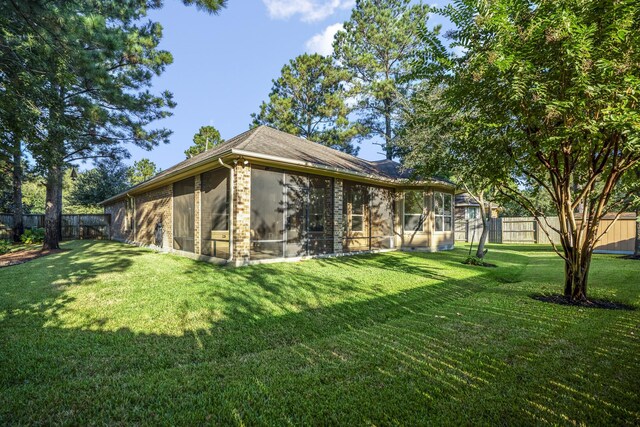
230	207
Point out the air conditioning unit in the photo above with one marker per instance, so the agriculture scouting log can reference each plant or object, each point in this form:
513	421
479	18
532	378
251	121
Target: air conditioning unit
219	235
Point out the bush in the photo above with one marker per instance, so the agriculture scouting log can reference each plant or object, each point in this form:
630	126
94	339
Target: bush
35	235
5	246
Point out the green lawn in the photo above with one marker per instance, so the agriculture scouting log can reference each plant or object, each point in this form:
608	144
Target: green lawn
106	333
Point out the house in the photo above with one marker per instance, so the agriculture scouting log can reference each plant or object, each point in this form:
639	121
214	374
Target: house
267	195
468	223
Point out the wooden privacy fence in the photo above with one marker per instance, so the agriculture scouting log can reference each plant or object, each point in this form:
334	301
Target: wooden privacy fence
619	239
74	226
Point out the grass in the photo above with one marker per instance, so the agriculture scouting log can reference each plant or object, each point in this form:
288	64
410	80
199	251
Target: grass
111	334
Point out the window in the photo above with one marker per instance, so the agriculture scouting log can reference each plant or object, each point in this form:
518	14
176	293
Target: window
472	212
442	206
413	210
357	209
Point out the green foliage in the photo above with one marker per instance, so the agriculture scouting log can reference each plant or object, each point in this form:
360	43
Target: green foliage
5	246
308	100
31	236
206	137
80	74
377	46
545	96
396	338
107	179
141	171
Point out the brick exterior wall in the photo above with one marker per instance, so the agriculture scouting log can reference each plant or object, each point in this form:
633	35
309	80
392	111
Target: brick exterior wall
152	208
197	217
338	225
241	213
119	227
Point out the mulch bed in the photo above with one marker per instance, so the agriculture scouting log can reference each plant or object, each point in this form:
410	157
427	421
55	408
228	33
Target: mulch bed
594	303
484	264
19	257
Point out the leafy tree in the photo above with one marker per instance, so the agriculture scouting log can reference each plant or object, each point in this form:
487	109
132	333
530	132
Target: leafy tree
206	137
549	92
107	179
85	67
377	46
308	100
141	171
430	146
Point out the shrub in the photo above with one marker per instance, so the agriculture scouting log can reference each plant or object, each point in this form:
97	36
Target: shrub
35	235
5	246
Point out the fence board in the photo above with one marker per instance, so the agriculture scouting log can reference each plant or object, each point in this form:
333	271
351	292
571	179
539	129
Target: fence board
620	238
74	226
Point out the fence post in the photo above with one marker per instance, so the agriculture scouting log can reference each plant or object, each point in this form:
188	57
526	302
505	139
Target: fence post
535	231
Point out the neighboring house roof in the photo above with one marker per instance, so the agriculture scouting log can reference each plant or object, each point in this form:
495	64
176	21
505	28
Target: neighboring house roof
464	199
270	144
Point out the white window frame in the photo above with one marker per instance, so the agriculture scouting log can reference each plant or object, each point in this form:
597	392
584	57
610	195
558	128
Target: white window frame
360	215
405	214
443	214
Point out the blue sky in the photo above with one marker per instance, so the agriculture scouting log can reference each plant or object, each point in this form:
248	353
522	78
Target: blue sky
224	64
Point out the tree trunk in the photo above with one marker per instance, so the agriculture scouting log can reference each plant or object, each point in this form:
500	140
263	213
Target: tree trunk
18	225
388	144
636	251
483	237
53	210
576	276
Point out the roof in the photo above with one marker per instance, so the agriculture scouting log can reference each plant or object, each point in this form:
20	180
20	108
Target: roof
465	199
264	142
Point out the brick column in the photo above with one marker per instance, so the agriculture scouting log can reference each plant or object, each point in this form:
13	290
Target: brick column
241	213
197	195
338	227
398	219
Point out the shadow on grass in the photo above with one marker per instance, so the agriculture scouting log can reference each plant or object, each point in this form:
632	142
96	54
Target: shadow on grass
439	352
591	303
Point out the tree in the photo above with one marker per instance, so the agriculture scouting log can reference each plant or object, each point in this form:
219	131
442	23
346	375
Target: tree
206	137
86	68
141	171
555	84
107	179
430	146
308	100
377	46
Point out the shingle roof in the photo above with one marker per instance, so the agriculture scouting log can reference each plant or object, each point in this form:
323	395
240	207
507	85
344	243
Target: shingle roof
266	141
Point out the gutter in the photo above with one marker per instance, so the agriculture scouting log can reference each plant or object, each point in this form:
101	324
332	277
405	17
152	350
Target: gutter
231	177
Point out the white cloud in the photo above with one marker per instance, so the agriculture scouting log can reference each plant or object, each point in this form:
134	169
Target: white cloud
322	42
308	10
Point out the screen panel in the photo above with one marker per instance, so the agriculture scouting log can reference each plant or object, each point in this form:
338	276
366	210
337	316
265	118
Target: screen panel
320	234
356	211
214	214
297	190
267	214
184	215
381	217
